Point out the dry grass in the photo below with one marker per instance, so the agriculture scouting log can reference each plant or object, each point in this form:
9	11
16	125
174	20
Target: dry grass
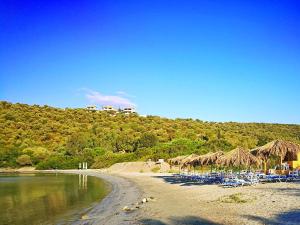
172	171
236	198
155	169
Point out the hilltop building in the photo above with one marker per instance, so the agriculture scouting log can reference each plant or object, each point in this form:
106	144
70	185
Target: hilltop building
128	110
113	110
109	108
91	107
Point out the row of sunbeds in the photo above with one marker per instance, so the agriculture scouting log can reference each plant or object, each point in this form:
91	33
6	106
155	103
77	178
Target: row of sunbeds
237	179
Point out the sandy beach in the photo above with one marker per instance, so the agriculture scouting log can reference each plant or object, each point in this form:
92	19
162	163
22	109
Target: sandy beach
179	202
176	201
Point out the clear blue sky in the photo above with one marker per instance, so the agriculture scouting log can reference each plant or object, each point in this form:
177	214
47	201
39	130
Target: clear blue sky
214	60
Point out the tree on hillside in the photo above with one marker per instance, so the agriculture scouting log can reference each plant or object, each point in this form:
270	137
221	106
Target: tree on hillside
24	160
77	142
148	140
125	143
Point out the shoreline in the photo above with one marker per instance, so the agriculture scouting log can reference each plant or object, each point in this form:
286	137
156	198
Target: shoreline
109	211
176	201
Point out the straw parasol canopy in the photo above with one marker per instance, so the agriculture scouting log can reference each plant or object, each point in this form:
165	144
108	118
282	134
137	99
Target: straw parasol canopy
186	161
238	157
207	159
194	161
211	158
177	160
277	148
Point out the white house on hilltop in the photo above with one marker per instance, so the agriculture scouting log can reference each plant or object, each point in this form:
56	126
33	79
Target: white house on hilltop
109	108
91	107
128	110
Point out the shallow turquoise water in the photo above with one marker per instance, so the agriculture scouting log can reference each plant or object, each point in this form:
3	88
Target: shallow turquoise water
47	198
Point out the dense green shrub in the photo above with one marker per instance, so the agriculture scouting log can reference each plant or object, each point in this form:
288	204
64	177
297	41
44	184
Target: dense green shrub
60	138
24	160
112	158
59	162
8	157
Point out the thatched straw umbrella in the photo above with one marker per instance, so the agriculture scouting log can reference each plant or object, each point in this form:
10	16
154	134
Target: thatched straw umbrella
277	148
211	158
262	158
193	160
282	149
177	160
187	161
238	157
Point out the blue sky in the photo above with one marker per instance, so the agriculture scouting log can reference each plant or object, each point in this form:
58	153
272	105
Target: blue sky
212	60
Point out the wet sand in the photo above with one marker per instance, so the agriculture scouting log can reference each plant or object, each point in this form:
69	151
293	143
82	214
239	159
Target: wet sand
110	210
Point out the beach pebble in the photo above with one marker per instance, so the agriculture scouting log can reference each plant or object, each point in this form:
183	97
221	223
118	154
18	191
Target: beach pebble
84	217
144	200
151	199
126	208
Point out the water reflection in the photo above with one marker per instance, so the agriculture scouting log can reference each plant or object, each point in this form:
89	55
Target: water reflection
82	181
45	198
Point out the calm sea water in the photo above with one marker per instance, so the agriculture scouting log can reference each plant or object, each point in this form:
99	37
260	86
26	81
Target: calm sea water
48	198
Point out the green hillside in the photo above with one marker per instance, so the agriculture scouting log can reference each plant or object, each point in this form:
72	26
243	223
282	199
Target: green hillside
49	137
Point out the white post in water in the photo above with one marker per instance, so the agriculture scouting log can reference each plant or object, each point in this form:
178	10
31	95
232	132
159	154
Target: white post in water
79	166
